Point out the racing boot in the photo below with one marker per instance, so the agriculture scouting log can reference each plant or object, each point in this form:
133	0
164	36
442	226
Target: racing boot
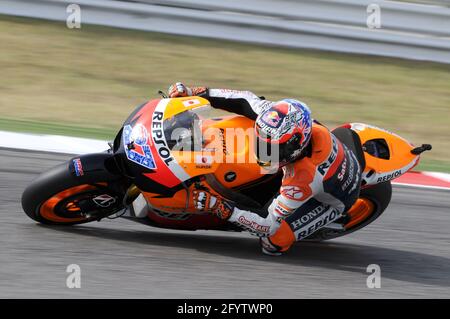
280	242
268	248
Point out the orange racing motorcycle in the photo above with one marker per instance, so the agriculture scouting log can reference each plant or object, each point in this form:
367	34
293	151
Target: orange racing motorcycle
148	174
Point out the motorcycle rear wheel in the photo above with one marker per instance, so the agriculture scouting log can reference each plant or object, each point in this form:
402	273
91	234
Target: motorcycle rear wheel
378	198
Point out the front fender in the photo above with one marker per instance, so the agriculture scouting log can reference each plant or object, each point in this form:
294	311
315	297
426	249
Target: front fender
91	168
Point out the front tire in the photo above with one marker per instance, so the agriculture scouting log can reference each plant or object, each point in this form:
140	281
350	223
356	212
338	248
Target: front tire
57	197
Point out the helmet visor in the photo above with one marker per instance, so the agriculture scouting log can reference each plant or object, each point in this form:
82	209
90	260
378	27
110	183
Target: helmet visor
269	154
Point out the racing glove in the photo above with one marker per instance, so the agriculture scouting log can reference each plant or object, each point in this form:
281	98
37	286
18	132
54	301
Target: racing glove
179	90
204	201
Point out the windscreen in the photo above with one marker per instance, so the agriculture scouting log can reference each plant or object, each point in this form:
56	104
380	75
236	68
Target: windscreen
183	131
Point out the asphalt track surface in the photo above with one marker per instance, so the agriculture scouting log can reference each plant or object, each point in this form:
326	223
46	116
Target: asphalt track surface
123	259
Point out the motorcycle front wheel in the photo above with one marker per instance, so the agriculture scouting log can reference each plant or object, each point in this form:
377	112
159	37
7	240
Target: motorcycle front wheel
57	197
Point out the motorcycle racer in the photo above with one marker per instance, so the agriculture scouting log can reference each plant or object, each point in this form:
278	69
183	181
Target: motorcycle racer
321	176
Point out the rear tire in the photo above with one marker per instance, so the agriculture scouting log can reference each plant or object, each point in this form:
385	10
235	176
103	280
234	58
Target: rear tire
53	197
379	195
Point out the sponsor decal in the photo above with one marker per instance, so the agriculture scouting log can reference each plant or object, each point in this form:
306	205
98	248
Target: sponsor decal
230	176
159	139
318	223
311	215
78	167
272	118
292	192
273	132
354	175
341	174
169	172
323	168
203	161
104	200
389	176
224	144
350	178
230	91
137	148
282	210
253	225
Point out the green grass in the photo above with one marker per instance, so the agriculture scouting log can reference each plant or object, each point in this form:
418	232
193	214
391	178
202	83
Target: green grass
56	129
433	166
85	82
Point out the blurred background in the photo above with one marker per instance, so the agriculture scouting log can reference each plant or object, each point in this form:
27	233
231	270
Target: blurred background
384	63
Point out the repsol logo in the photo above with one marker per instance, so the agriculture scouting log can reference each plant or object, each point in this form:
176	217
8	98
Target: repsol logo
388	177
159	139
327	218
308	217
323	168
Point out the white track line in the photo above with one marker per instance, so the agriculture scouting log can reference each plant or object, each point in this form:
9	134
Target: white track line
442	176
420	186
51	143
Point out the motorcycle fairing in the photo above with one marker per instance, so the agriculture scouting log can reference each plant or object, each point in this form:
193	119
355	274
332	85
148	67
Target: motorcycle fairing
178	174
175	172
145	147
386	154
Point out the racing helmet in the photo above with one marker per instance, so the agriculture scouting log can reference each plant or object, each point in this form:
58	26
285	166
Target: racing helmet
282	132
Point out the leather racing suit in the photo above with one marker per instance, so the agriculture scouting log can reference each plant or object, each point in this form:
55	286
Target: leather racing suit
316	189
